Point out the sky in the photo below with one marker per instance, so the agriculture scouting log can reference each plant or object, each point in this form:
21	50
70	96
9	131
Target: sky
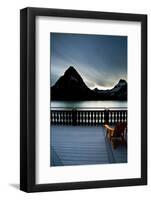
101	60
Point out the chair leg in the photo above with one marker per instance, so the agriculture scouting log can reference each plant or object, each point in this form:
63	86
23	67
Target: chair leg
114	143
123	141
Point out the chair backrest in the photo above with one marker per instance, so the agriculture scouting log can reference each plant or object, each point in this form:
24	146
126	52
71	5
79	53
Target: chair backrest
119	129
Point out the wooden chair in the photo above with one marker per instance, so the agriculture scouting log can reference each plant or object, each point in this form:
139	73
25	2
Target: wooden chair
117	134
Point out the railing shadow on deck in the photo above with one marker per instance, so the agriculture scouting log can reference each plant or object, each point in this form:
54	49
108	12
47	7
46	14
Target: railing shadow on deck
87	116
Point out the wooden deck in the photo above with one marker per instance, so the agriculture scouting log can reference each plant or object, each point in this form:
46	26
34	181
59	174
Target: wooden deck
83	145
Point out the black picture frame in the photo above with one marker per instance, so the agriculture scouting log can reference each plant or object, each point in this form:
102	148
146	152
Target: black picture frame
28	99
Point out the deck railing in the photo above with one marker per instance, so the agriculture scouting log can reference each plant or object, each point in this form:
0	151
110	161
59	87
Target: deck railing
93	116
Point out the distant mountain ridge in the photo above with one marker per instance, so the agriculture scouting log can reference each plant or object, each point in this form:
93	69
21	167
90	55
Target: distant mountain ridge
71	86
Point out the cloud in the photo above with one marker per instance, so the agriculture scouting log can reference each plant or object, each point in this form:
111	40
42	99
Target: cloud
100	60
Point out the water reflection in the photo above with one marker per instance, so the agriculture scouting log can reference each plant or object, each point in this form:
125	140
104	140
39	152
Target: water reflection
88	104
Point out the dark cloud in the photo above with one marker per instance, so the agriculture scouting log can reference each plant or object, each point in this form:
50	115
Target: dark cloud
100	59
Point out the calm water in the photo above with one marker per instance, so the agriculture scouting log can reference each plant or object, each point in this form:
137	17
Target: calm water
89	104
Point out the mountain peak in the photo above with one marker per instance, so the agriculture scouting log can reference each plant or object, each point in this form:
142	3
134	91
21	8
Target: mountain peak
70	86
72	74
122	81
71	79
71	70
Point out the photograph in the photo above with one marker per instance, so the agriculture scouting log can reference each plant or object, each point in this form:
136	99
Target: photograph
83	99
88	99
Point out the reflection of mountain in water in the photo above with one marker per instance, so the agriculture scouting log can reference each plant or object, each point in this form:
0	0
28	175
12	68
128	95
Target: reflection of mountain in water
71	86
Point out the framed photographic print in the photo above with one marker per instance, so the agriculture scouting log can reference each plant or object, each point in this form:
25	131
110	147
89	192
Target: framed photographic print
83	99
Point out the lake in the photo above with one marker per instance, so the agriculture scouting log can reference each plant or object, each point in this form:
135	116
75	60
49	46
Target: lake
89	104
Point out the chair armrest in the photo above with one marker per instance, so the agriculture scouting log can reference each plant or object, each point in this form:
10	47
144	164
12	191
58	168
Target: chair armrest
109	130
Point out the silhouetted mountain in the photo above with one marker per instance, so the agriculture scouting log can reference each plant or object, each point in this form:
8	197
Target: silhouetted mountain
118	92
71	86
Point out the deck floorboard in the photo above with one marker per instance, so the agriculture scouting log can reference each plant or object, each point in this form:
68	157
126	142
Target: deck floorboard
83	145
